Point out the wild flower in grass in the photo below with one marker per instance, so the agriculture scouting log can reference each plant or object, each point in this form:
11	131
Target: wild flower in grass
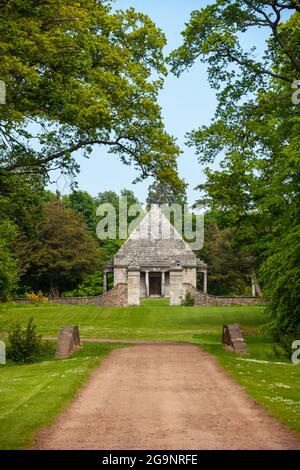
286	401
260	361
279	385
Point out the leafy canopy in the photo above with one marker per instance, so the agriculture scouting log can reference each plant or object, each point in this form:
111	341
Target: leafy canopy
77	75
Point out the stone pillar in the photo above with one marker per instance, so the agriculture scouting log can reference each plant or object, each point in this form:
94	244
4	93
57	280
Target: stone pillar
2	353
104	282
147	283
253	287
163	284
134	287
176	289
205	282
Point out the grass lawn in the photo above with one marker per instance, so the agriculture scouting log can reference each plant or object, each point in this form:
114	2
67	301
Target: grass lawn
266	374
33	395
153	320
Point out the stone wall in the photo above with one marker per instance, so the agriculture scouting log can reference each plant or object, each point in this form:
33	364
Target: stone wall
116	297
189	276
120	276
206	299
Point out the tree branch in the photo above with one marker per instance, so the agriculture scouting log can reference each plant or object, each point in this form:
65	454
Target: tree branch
258	69
73	148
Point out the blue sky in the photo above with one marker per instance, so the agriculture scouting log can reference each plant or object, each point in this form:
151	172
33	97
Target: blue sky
187	102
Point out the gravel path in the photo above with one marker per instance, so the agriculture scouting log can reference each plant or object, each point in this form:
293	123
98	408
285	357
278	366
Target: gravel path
164	397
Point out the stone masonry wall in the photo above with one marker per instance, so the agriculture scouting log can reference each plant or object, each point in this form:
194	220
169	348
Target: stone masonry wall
120	276
202	299
176	287
189	276
116	297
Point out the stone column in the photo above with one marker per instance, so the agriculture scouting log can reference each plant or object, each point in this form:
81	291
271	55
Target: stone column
253	287
104	282
147	283
176	289
205	282
163	284
134	284
2	353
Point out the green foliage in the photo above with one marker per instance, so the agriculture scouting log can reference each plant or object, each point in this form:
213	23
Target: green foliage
78	75
163	193
63	254
21	210
9	272
281	274
91	286
21	200
229	269
188	300
83	203
24	343
214	35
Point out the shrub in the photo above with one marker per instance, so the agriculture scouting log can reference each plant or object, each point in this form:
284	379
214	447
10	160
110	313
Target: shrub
38	298
9	271
24	343
188	300
280	275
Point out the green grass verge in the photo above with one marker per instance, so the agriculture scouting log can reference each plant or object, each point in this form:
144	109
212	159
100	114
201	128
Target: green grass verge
33	395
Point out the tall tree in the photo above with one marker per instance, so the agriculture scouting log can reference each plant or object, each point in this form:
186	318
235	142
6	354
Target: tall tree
77	75
229	270
255	133
83	203
63	254
9	272
163	193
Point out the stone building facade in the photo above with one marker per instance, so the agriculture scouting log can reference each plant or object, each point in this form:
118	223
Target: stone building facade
155	262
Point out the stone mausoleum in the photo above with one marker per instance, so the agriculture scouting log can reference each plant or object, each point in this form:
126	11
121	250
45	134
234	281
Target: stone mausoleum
155	262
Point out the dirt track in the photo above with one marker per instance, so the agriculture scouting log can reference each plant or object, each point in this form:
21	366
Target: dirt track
164	397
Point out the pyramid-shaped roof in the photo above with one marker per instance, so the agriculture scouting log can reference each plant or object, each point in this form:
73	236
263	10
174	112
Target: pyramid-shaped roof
155	243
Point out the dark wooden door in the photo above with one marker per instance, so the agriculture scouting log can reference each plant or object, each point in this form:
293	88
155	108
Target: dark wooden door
155	286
